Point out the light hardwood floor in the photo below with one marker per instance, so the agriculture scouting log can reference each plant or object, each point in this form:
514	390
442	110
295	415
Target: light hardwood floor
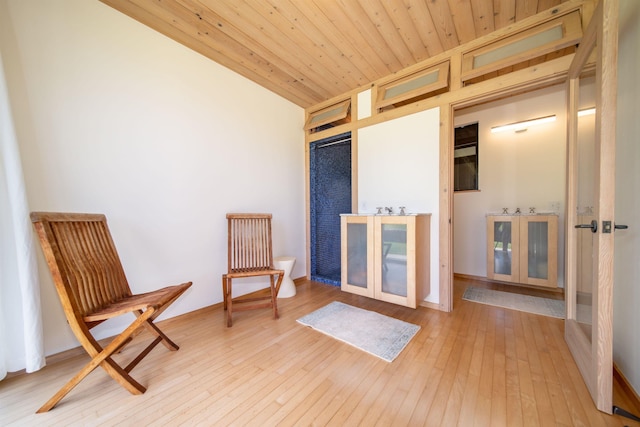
479	365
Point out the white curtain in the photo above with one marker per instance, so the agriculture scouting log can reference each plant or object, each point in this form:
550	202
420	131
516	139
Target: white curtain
21	341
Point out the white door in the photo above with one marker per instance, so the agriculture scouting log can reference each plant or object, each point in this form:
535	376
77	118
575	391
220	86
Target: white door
590	202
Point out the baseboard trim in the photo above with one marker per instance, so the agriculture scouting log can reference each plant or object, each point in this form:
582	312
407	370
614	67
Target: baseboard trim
522	285
431	305
626	387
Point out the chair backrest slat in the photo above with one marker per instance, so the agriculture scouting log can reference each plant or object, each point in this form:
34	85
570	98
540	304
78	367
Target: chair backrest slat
80	248
249	242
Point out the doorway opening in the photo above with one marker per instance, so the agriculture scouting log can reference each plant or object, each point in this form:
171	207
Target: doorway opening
330	196
520	177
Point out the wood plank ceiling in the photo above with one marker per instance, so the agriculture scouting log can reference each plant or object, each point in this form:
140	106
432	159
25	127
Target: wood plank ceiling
309	51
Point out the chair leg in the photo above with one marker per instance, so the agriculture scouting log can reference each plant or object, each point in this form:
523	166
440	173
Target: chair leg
154	330
224	291
112	368
274	297
275	293
279	282
151	327
122	377
226	298
102	357
142	354
229	298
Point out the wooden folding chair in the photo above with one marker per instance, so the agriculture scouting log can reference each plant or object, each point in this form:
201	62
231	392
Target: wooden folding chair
92	288
249	255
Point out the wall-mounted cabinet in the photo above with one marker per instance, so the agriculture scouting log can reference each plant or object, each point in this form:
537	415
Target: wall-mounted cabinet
523	249
386	257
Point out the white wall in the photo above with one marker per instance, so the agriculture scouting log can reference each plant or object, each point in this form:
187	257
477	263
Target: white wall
113	117
516	170
398	165
626	290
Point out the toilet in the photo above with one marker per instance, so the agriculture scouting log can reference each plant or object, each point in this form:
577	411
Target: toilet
287	287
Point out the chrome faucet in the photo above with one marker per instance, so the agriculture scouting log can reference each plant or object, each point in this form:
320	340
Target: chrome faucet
389	210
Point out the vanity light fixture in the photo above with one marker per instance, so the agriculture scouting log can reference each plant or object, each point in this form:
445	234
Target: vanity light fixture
587	112
521	126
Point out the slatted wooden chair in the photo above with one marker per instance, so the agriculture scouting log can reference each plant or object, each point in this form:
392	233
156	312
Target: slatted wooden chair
249	255
92	287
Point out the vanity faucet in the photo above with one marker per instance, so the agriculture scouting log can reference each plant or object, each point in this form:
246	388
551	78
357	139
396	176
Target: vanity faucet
389	210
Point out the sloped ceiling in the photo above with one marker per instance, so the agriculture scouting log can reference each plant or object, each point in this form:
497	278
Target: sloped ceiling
309	51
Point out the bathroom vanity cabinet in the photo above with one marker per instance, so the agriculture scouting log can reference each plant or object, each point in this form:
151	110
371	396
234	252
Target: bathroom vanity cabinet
386	257
523	249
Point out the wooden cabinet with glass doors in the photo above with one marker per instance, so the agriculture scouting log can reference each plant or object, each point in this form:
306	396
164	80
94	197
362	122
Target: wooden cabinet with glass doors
386	257
523	249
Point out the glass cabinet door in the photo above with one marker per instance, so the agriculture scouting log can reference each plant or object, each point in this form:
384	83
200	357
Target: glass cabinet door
503	261
395	259
357	255
502	247
393	250
539	250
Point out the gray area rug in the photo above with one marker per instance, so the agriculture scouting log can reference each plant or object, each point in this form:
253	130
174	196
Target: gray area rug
530	304
377	334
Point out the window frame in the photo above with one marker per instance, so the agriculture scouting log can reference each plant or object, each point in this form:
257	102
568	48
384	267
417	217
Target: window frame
385	96
461	144
571	34
334	113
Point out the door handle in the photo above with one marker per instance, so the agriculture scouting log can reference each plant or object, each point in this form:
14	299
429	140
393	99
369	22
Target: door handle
606	227
593	226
